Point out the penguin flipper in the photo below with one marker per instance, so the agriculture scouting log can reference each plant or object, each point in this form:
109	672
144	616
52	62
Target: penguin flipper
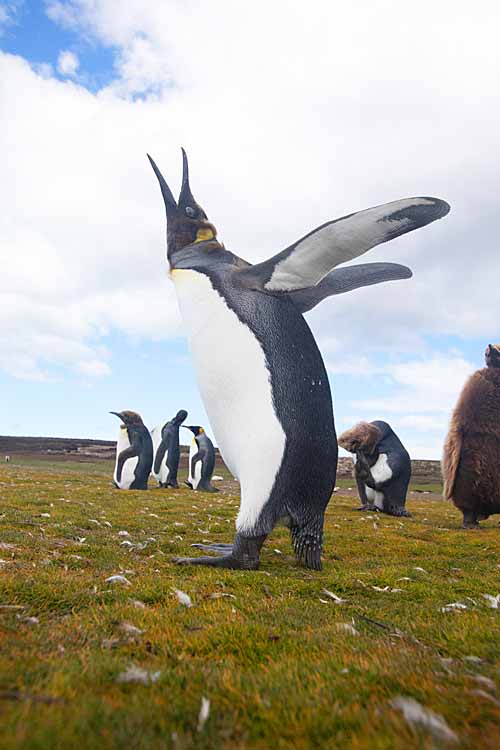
129	452
160	453
310	259
343	280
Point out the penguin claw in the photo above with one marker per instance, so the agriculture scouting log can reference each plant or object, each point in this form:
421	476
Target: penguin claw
219	561
216	547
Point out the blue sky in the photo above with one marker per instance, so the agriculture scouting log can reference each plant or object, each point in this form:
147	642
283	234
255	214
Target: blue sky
282	137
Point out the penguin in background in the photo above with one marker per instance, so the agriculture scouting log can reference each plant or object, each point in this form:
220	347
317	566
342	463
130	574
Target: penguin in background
201	460
134	452
382	466
471	457
258	365
166	450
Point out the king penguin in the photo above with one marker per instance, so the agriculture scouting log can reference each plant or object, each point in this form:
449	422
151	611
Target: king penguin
259	370
134	453
166	450
382	466
201	460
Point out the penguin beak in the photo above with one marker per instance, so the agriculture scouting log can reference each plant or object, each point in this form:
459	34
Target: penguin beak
186	197
168	198
117	414
190	427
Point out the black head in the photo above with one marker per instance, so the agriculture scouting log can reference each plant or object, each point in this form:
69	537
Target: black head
129	418
180	417
492	355
195	429
186	220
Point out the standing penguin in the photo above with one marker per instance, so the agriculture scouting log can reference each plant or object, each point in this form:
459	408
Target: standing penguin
260	373
166	450
201	460
382	466
134	453
471	458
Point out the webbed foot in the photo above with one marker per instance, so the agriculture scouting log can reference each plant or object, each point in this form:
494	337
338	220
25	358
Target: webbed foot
470	520
243	554
220	547
396	511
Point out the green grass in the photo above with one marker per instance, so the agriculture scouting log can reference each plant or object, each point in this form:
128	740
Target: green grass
277	668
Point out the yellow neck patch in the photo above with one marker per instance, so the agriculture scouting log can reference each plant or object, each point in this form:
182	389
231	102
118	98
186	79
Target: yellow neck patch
204	234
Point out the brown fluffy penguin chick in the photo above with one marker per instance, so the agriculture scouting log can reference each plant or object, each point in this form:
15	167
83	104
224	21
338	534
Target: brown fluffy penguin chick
471	458
362	437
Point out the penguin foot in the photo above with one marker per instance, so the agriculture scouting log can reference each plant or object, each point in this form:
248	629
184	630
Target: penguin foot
244	554
470	520
398	512
221	561
220	547
370	508
207	489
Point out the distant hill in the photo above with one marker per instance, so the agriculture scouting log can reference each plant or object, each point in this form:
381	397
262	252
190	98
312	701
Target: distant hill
84	449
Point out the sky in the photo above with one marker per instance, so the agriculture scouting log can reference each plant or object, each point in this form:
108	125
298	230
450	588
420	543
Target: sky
292	114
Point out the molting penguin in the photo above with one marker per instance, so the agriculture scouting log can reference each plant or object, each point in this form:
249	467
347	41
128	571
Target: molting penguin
134	453
259	370
201	460
382	466
471	457
166	450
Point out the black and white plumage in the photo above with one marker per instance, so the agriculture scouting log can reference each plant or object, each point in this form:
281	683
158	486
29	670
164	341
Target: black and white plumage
259	370
166	450
201	460
134	453
382	466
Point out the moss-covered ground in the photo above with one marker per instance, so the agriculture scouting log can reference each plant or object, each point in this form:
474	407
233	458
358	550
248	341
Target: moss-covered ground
282	664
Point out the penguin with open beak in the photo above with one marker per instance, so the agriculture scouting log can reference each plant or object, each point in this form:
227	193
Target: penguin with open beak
134	452
201	460
260	373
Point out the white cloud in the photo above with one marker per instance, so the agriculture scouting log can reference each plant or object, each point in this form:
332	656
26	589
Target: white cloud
67	63
422	396
8	13
422	386
290	117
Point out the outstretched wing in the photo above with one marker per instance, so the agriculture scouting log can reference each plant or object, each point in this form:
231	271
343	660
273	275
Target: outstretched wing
311	258
342	280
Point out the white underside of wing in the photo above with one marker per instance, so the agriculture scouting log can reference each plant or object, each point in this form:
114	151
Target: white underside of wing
128	469
234	382
338	242
162	475
381	471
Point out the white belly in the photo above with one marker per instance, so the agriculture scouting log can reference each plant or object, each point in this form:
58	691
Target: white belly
162	475
375	498
194	478
381	471
128	475
234	382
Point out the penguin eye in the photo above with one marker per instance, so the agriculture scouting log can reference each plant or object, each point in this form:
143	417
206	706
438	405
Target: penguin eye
190	211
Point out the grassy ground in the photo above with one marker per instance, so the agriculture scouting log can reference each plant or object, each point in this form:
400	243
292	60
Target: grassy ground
282	664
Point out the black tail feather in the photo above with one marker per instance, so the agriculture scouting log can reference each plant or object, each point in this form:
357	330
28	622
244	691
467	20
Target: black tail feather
307	541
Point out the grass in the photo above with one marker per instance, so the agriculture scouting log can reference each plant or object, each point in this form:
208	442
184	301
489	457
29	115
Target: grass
276	662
